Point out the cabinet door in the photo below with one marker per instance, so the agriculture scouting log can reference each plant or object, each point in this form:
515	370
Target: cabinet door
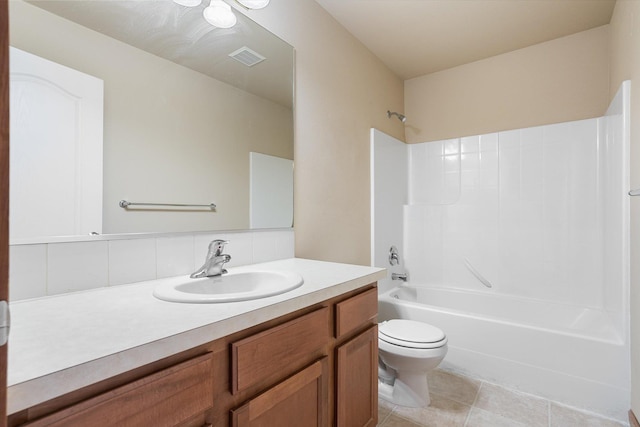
301	401
357	380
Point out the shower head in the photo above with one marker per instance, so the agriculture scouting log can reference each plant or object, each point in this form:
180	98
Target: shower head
401	117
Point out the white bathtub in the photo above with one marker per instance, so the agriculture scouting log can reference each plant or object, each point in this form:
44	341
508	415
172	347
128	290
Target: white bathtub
575	355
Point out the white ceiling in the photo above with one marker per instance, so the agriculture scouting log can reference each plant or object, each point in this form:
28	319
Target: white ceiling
181	35
418	37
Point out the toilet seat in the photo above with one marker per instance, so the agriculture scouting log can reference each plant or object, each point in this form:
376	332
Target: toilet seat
411	334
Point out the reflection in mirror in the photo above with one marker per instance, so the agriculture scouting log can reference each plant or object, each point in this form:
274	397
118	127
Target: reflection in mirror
180	115
271	191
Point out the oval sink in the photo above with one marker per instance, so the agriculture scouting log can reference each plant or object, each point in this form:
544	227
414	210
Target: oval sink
233	286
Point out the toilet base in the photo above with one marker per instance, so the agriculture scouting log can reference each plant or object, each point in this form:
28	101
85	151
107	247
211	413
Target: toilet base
407	390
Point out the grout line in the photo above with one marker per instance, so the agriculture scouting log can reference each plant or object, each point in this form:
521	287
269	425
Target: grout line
382	420
475	399
473	404
389	414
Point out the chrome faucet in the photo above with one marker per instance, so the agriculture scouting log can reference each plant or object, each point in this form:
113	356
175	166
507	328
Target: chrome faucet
215	260
393	256
399	276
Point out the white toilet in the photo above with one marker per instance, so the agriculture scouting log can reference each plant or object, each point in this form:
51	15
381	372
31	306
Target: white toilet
407	351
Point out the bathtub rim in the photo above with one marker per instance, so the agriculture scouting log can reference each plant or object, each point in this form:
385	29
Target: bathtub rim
618	340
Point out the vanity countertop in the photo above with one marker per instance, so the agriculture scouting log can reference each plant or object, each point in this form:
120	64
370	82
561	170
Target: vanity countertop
61	343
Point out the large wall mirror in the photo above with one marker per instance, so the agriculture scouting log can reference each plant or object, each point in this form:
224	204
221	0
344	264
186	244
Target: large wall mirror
180	116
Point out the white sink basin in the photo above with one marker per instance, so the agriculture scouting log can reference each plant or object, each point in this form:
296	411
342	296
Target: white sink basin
233	286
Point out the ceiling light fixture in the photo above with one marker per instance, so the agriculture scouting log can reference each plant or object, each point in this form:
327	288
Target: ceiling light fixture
219	14
188	3
254	4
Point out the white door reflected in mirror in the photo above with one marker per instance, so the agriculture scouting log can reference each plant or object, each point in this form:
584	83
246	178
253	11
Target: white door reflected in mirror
56	173
271	193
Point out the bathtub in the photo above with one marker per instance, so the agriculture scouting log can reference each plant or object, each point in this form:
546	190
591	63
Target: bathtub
574	355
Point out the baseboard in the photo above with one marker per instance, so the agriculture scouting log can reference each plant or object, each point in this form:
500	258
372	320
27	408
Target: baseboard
633	421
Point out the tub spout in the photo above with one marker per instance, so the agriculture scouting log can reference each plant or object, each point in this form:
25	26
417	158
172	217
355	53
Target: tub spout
399	276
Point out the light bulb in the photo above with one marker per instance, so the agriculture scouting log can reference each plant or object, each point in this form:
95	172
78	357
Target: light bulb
254	4
219	14
188	3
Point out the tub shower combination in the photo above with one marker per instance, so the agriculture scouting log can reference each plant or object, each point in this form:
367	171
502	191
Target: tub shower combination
515	244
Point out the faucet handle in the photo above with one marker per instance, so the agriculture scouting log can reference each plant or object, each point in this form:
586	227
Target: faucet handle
393	256
217	246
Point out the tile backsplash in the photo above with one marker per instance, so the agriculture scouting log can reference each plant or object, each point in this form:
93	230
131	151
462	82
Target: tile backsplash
38	270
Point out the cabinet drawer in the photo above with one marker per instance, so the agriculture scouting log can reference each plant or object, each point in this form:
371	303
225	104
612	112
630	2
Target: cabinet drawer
278	351
165	398
356	311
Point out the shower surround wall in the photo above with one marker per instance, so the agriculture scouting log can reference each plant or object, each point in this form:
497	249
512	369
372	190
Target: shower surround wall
529	215
524	209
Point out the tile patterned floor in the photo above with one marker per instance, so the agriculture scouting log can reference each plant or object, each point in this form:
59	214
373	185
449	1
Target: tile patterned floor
458	401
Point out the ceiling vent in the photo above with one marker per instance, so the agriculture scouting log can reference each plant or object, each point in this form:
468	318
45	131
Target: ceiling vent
247	56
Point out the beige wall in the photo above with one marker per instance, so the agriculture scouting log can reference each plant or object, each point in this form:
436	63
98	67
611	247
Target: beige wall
625	65
170	135
556	81
342	90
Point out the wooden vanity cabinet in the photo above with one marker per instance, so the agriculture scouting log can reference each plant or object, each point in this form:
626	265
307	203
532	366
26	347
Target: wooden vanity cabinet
284	383
315	367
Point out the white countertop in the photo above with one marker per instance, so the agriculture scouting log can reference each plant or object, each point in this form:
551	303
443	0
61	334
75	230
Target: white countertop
61	343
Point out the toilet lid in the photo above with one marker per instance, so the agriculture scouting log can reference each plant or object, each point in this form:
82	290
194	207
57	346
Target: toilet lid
410	333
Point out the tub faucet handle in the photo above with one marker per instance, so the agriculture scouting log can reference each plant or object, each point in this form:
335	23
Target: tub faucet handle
393	256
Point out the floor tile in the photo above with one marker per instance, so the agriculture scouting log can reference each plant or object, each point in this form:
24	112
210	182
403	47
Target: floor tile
482	418
458	401
522	408
454	387
384	409
396	421
442	412
562	416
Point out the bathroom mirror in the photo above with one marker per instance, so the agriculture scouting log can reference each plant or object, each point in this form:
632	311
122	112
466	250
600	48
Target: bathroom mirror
181	116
